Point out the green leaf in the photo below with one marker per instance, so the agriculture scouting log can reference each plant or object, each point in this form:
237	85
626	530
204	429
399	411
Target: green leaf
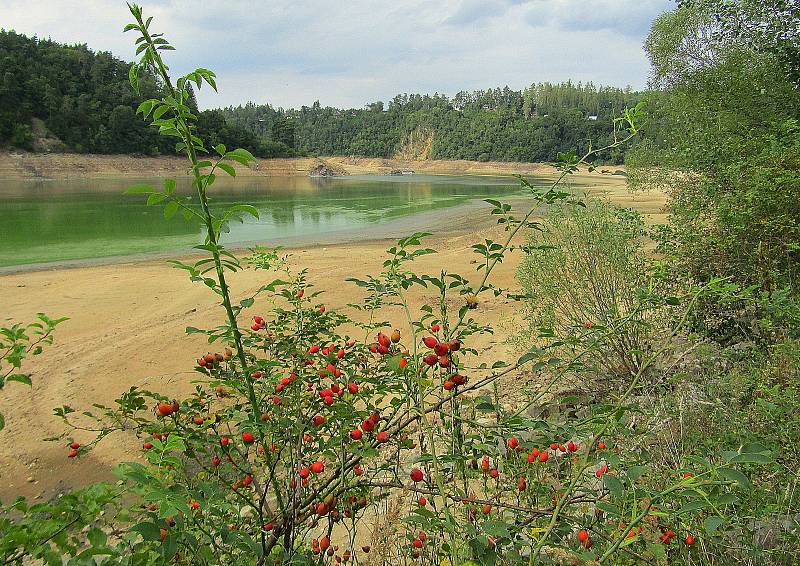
754	448
160	111
244	153
2	421
149	531
170	209
20	378
97	537
496	529
754	458
227	168
525	358
248	208
727	499
734	475
635	472
155	198
712	524
609	508
613	484
133	77
692	506
425	512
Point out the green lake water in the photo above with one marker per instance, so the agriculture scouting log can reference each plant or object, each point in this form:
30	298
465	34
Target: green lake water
46	221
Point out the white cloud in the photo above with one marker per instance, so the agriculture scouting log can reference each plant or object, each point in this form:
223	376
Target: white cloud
291	53
626	17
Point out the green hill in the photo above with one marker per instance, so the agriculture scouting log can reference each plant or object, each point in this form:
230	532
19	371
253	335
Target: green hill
67	97
70	98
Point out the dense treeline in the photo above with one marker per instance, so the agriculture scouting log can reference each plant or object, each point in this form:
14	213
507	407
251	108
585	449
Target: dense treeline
497	124
83	99
723	140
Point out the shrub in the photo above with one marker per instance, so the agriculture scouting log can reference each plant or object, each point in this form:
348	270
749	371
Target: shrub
741	396
585	273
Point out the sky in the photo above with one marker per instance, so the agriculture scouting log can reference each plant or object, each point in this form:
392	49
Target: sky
348	53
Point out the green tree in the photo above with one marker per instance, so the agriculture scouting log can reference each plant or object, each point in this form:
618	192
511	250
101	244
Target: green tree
723	141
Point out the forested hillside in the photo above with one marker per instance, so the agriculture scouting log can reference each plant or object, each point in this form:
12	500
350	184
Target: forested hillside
83	99
497	124
69	98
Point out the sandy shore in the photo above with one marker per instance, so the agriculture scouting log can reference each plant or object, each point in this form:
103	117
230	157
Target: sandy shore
73	165
127	322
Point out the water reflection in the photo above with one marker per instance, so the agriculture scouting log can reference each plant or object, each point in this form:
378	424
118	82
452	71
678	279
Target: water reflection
59	220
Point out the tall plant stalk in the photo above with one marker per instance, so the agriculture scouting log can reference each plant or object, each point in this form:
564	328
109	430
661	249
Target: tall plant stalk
151	44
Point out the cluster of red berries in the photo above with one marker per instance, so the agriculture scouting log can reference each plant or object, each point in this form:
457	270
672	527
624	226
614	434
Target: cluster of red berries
322	545
331	355
73	450
418	542
148	445
667	536
329	395
584	538
454	381
244	482
209	360
258	324
368	425
441	353
488	469
384	343
535	455
305	472
167	409
158	436
329	504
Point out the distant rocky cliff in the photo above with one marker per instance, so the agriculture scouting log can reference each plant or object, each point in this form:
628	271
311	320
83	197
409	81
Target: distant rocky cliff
326	169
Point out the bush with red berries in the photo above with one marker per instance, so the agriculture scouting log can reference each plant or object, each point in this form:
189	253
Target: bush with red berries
300	436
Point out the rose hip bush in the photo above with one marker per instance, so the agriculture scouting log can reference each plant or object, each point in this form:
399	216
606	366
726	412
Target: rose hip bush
300	436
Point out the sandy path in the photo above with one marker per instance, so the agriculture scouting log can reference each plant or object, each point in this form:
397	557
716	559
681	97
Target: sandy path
127	324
